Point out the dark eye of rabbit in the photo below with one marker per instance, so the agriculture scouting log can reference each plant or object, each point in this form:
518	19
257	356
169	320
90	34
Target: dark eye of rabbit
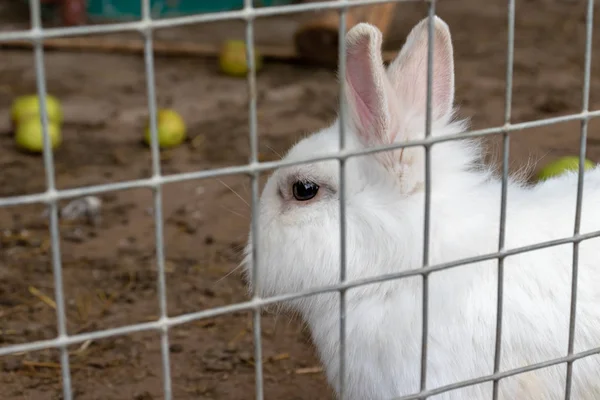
304	191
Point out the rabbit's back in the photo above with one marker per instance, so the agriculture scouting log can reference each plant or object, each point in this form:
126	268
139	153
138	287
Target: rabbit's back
538	285
384	323
536	293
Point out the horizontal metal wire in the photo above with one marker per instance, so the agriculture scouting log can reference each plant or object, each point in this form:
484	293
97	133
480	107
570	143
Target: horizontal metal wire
250	168
501	375
258	303
146	25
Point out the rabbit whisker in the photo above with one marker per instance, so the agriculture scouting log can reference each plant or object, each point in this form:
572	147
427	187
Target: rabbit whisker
273	150
233	212
228	274
234	192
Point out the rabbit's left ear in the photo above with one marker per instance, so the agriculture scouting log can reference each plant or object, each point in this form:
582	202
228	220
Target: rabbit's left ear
368	91
408	72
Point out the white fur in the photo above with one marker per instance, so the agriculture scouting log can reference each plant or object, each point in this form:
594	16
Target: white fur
299	246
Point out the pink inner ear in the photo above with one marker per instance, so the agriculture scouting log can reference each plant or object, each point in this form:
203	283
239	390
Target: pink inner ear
364	113
366	88
442	90
408	73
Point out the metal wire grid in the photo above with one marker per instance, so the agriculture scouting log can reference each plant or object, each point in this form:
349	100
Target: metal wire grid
146	26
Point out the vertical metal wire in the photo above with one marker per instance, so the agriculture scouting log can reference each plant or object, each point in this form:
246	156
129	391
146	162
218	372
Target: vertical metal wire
342	133
252	122
504	192
157	194
61	317
342	139
427	214
577	224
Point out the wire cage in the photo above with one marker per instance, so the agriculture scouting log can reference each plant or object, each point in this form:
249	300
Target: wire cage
249	13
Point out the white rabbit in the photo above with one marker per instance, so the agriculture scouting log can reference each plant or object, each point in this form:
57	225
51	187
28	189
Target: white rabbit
299	245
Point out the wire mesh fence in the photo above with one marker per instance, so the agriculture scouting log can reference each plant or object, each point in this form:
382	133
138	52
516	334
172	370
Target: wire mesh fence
146	26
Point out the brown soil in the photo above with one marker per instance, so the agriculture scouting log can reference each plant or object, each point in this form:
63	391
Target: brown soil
109	268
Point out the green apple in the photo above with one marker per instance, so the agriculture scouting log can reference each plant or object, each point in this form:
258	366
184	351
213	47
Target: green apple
27	107
29	135
232	58
562	165
171	129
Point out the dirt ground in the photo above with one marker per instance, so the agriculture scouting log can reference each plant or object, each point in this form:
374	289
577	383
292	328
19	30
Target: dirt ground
109	267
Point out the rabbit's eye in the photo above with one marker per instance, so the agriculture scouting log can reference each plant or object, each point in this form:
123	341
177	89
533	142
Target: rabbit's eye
304	191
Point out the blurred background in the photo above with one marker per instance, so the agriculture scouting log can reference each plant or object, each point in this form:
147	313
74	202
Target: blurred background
99	87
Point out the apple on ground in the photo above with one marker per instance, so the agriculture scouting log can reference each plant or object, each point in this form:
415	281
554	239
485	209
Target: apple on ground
29	135
171	129
561	166
232	58
28	106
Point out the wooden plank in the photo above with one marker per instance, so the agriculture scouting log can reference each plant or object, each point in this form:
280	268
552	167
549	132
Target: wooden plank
284	53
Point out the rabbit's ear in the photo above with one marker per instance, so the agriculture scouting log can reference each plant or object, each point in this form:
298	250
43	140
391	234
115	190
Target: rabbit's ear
368	91
408	72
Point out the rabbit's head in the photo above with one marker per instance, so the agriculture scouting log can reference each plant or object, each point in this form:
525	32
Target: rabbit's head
299	213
